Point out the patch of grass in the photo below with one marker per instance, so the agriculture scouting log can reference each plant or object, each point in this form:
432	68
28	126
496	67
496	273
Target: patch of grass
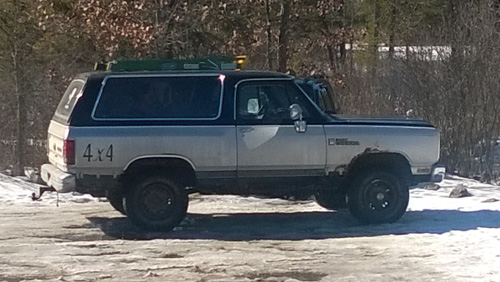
22	278
297	275
171	255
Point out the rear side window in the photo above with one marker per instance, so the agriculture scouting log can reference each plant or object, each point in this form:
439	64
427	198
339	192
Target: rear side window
69	99
159	97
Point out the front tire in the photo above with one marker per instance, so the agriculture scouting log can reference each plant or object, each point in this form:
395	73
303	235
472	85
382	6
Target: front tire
156	203
378	197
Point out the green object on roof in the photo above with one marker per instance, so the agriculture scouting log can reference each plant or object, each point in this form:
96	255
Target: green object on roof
214	63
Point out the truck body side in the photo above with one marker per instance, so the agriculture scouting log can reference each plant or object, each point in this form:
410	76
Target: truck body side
94	151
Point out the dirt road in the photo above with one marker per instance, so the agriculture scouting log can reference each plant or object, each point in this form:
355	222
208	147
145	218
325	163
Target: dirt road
237	239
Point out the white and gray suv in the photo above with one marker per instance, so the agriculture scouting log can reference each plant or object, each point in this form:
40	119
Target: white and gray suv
146	139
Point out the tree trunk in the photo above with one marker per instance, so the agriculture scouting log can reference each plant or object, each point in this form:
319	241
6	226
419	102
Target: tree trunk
392	26
20	115
331	55
269	36
374	47
283	36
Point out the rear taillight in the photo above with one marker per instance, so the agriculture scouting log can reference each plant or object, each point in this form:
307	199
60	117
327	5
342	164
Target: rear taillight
69	152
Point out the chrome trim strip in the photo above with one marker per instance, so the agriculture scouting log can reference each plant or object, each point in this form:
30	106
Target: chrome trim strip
159	75
79	80
292	172
148	126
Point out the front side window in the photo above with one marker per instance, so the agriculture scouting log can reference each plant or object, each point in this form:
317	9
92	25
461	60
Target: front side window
159	97
267	103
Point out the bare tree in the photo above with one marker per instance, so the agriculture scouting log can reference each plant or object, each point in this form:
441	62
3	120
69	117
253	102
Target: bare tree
16	30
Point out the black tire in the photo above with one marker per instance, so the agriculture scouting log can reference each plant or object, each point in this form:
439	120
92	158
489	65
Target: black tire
378	197
115	198
156	203
330	200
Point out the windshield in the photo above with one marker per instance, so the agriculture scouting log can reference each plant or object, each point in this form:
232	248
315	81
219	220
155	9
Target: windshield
319	92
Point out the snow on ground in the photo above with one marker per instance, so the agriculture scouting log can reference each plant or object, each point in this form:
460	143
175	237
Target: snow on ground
231	238
17	190
484	196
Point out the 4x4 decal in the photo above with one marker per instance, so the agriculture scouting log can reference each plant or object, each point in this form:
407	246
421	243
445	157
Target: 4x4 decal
99	154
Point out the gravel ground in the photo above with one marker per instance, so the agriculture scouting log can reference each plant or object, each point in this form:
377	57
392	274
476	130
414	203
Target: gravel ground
229	238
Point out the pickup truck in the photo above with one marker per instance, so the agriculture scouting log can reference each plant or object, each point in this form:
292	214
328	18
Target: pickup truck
147	139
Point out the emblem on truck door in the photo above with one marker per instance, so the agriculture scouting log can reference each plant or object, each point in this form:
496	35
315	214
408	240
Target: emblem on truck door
342	142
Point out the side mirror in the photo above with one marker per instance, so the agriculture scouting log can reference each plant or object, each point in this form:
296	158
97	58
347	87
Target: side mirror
296	116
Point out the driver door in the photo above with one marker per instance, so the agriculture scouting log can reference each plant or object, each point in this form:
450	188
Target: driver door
267	140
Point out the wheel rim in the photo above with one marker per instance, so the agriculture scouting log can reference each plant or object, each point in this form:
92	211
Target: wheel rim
157	201
380	196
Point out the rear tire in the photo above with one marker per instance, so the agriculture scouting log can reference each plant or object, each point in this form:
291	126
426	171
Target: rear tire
330	200
378	197
115	198
156	203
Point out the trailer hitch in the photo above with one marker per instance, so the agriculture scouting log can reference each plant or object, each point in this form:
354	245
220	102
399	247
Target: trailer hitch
42	190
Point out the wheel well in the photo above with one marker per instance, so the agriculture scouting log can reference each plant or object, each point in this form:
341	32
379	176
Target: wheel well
179	169
393	162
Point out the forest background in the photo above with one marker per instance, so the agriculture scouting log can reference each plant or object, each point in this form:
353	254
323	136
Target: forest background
434	59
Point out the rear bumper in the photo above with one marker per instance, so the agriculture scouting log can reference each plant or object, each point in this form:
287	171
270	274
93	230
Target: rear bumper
61	181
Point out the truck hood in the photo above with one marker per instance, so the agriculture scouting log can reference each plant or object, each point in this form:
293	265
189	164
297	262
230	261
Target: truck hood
394	120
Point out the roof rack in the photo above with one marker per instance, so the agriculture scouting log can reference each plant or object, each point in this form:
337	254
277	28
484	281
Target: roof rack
212	63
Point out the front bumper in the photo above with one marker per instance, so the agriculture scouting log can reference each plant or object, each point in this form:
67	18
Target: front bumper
438	173
61	181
